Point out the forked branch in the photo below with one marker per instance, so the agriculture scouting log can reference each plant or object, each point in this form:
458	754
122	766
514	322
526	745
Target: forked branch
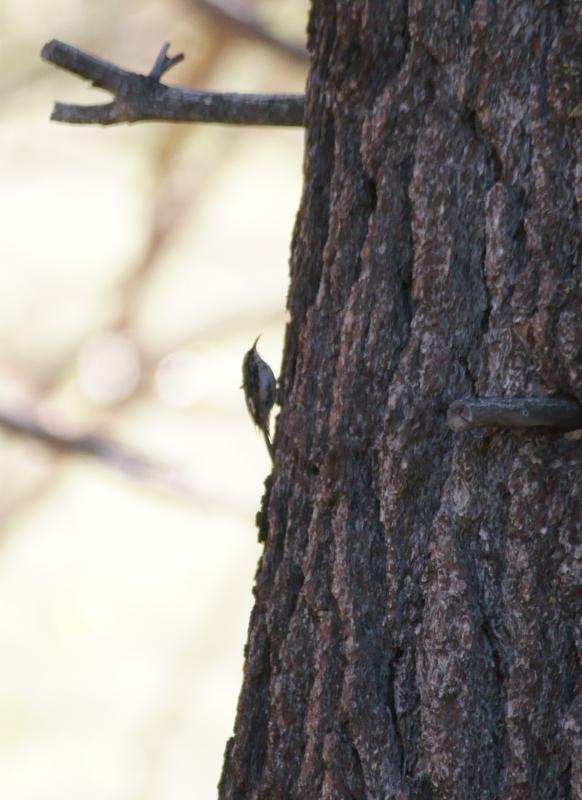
143	97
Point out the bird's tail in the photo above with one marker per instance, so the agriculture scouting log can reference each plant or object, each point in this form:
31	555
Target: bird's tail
268	442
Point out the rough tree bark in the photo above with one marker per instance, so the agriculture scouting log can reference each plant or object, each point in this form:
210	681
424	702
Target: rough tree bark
416	631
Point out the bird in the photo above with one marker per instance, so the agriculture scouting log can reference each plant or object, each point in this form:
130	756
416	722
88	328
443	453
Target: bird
260	388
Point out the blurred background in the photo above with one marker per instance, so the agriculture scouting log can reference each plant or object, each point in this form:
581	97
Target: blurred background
138	265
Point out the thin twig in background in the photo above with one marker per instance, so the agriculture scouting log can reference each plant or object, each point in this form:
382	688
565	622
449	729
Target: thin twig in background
143	97
87	444
248	26
116	456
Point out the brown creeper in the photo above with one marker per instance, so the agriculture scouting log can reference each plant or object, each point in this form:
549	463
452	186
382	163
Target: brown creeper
260	388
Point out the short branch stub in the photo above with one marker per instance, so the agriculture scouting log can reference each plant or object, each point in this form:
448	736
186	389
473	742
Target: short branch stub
514	412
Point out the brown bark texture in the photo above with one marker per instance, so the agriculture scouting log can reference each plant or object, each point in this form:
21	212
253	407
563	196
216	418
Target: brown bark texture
416	633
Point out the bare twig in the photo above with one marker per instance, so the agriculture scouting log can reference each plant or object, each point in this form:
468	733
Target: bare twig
514	412
164	62
111	453
143	97
245	24
117	456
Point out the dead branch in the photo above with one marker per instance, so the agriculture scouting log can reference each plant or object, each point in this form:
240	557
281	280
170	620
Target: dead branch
514	412
145	98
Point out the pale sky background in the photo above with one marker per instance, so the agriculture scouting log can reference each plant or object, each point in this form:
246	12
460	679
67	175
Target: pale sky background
124	602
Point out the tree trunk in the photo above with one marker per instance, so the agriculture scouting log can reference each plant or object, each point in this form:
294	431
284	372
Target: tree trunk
416	631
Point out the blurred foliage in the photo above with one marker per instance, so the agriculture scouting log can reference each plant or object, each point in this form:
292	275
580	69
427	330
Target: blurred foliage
139	264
